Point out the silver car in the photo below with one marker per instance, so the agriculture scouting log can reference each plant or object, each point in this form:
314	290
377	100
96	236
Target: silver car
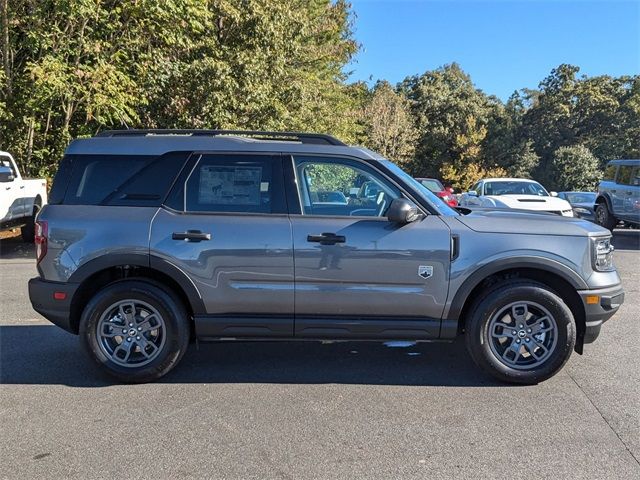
153	238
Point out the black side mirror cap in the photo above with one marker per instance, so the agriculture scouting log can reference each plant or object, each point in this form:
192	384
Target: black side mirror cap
402	211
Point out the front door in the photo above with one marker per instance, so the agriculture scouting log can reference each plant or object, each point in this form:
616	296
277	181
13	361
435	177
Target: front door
357	274
226	226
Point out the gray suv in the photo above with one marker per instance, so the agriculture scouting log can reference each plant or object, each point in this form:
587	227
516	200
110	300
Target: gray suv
619	194
154	238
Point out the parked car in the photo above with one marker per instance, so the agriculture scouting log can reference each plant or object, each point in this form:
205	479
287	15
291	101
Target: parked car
517	193
20	198
583	204
619	194
446	194
152	238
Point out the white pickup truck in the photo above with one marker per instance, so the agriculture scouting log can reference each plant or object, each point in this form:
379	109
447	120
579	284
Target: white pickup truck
20	199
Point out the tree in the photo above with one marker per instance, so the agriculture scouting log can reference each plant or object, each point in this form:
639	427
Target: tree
389	128
574	168
73	68
451	117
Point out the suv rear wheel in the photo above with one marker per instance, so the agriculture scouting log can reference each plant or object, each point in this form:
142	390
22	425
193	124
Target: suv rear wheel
604	217
521	332
135	330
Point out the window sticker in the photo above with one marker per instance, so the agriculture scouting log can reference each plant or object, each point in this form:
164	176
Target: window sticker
230	185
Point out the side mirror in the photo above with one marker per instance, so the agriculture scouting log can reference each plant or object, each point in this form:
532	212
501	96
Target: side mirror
553	194
472	193
6	175
402	211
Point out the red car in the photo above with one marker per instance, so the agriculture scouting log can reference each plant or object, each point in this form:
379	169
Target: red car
446	194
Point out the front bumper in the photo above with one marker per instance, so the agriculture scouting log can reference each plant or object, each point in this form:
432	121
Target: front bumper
43	301
597	311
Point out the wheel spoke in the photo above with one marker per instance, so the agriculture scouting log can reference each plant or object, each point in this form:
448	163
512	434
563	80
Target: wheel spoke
515	348
539	325
504	331
110	330
127	312
148	349
123	351
536	349
149	323
520	312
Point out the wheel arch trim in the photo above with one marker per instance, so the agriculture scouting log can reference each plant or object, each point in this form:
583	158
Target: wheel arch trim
151	262
531	262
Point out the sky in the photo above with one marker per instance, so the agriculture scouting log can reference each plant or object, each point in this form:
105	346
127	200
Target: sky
505	45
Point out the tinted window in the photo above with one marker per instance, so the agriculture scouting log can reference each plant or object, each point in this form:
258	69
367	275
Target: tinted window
624	175
235	183
342	187
610	173
514	188
433	185
95	177
6	162
635	177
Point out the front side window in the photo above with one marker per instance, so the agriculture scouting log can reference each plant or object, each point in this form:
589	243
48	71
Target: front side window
624	175
5	162
342	187
235	183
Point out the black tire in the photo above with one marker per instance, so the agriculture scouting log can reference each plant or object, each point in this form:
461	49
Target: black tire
491	304
604	217
175	328
28	230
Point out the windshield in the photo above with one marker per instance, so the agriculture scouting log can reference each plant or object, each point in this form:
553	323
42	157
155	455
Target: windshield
581	197
423	191
431	184
505	187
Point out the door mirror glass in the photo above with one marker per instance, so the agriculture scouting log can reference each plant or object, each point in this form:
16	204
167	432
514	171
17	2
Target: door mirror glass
402	211
6	174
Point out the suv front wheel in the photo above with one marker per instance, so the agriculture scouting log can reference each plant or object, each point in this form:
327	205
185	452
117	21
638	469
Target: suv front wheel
604	217
521	332
135	330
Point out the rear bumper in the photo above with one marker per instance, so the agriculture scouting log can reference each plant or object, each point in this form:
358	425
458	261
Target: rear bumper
598	312
58	312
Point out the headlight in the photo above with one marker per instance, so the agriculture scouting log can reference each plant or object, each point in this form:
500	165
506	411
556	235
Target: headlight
581	211
602	254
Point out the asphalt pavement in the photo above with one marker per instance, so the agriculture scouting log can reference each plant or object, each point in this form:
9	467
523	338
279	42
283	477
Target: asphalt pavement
311	410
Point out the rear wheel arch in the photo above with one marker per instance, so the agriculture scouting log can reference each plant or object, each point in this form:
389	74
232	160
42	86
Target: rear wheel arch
103	271
565	285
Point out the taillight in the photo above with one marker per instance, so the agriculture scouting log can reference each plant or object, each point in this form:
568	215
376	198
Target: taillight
42	231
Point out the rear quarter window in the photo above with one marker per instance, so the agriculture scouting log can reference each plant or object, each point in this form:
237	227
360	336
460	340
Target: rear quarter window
121	180
609	173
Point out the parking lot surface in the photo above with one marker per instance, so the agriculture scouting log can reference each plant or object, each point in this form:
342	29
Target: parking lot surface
312	410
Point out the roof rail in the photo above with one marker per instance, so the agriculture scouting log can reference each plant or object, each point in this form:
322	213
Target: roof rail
309	138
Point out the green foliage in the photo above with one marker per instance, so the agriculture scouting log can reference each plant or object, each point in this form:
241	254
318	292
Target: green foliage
331	178
72	68
574	168
389	126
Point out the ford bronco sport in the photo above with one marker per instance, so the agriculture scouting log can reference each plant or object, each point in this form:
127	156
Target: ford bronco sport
152	238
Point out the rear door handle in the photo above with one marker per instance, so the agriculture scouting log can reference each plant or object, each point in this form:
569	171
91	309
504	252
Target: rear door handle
327	238
191	236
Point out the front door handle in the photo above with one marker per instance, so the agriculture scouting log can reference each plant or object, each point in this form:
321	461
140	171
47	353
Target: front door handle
191	236
327	238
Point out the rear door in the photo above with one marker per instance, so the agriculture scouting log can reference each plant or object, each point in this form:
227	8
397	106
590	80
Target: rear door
225	225
357	274
621	191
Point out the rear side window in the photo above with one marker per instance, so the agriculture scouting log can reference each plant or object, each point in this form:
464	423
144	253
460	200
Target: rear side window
609	173
136	180
227	183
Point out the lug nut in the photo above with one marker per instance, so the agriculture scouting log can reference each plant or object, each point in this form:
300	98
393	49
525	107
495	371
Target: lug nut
131	324
526	339
137	338
518	341
129	339
139	329
124	330
528	330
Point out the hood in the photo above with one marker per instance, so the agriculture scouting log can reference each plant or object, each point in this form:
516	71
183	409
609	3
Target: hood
513	221
528	202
